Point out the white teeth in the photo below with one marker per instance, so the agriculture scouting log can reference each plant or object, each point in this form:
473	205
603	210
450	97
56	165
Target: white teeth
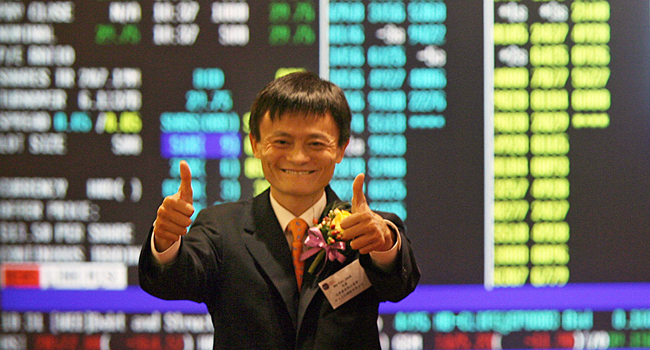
297	172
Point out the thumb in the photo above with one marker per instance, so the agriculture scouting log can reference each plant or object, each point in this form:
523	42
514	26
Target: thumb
359	202
185	189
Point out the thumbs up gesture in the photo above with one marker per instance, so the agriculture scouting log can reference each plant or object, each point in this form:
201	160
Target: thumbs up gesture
367	230
174	214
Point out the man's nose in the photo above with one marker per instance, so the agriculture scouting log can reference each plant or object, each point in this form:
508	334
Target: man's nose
299	154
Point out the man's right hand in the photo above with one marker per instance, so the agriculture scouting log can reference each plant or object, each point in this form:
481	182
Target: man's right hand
174	214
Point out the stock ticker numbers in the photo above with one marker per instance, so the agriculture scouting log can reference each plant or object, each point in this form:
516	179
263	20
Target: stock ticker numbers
80	90
207	129
388	58
551	73
517	329
48	106
100	100
520	329
175	22
123	26
54	233
292	23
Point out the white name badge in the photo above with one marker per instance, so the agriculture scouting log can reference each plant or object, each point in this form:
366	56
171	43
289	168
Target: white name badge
345	284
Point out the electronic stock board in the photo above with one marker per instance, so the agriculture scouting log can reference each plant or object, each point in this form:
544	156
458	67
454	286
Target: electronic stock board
511	137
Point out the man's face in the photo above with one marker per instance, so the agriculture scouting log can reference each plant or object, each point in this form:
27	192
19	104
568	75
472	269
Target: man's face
298	155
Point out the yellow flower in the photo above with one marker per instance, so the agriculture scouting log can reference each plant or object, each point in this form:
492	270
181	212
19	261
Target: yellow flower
339	215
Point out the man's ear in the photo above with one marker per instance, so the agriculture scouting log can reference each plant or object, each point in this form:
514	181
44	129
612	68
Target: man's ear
339	157
254	145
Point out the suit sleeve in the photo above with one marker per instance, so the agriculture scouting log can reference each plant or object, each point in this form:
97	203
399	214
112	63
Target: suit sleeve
189	276
401	280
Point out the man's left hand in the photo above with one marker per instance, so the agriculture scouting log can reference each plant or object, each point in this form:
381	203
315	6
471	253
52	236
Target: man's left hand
365	229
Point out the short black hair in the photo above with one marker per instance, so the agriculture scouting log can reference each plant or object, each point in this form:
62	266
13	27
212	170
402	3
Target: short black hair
302	93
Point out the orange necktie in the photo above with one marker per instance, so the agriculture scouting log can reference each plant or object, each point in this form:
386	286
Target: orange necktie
298	227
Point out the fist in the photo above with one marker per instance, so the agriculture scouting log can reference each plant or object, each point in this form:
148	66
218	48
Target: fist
367	230
174	214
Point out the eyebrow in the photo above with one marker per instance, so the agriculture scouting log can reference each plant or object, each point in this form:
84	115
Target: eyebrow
312	135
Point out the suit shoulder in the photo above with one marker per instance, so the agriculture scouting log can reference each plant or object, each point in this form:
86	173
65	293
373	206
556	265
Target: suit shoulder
230	209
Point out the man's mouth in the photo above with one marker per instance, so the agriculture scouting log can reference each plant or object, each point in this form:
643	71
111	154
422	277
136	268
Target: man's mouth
296	172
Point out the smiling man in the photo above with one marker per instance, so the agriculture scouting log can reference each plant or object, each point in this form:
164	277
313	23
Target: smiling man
237	257
298	157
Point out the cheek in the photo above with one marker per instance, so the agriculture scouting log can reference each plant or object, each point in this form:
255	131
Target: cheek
267	152
329	163
271	157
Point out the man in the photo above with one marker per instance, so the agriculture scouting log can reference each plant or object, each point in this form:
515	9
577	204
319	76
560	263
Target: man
237	257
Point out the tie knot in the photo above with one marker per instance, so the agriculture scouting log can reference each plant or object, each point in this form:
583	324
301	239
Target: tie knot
297	227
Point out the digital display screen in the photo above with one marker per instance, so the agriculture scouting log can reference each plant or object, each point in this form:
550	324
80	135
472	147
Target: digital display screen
512	137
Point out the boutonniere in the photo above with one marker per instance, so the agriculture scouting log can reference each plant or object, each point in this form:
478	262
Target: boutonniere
325	239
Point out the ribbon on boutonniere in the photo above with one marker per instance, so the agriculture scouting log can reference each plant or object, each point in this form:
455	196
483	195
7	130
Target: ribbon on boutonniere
325	239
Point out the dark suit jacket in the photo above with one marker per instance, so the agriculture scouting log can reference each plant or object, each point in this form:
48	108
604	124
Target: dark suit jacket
236	260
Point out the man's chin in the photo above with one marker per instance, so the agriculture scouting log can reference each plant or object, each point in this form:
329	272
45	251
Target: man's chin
302	192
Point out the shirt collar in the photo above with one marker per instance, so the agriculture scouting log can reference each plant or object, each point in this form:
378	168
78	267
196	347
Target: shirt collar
284	216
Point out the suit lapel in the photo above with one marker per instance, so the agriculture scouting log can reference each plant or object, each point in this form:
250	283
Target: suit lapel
310	283
306	296
267	245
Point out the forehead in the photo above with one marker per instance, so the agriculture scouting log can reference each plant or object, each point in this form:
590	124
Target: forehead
314	123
